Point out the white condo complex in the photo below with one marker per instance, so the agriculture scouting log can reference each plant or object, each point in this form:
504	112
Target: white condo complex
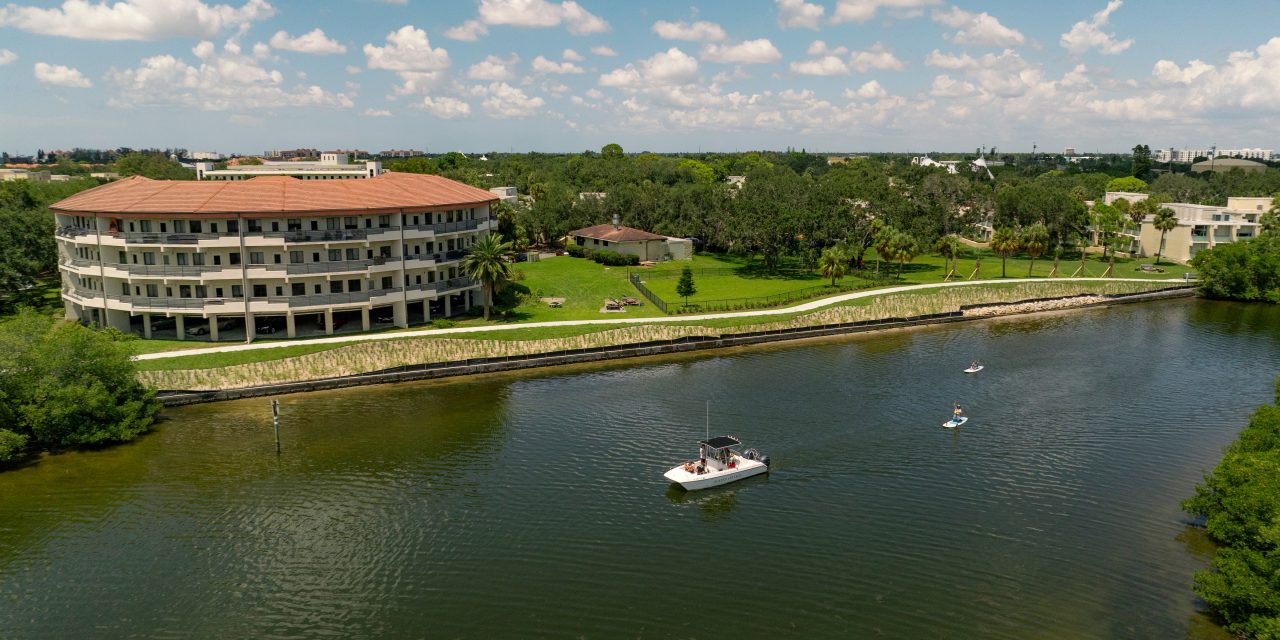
228	259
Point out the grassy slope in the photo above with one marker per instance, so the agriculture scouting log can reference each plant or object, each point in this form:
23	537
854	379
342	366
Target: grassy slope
212	361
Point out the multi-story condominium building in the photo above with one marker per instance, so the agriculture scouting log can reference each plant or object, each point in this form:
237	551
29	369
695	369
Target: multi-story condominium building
332	166
1199	227
1189	155
205	155
231	259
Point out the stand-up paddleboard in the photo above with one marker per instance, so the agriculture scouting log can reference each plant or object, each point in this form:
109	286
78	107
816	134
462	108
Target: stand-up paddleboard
974	369
953	423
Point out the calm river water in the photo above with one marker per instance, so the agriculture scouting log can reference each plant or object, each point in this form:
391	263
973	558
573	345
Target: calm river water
533	505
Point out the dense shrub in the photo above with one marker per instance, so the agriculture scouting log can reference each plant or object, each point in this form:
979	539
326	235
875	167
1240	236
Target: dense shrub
1248	270
613	258
62	384
575	250
1240	504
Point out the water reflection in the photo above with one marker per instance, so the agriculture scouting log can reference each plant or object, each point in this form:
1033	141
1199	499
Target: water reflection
404	510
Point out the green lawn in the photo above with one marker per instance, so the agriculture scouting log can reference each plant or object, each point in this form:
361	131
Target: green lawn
930	268
45	297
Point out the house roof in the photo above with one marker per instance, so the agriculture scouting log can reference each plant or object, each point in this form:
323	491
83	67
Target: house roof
276	194
616	234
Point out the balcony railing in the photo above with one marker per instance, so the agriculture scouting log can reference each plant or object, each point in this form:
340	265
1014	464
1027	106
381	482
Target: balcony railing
443	256
336	266
448	227
454	283
173	303
68	231
168	238
328	299
171	270
327	235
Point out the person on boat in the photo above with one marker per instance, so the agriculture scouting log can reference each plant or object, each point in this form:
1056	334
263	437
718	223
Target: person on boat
973	365
956	412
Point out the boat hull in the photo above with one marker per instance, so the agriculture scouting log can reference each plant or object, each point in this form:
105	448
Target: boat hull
974	369
951	424
695	481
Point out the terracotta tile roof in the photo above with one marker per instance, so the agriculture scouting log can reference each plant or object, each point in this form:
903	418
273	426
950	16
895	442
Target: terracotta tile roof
620	234
274	194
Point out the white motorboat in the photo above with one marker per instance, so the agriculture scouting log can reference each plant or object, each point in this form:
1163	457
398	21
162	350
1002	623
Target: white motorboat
718	463
955	422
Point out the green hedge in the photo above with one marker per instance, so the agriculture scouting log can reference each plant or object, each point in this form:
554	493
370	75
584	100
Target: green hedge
603	256
1240	504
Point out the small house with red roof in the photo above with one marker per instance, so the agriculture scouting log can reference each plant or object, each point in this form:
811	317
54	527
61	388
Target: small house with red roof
631	241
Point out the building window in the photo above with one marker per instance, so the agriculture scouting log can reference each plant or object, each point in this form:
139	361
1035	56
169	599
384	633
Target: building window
182	259
256	257
299	289
259	290
335	286
217	260
213	227
124	288
148	258
350	222
217	292
386	282
275	225
197	259
353	285
335	255
295	257
233	226
237	291
255	225
331	224
164	227
168	292
368	223
124	259
317	288
353	253
276	257
279	291
144	225
184	291
195	226
295	224
234	257
179	226
153	291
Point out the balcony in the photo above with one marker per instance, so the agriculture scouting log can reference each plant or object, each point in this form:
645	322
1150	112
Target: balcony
454	284
330	299
68	231
168	238
327	235
169	271
337	266
448	227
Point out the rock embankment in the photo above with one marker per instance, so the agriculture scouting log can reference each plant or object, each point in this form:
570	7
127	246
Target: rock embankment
1033	306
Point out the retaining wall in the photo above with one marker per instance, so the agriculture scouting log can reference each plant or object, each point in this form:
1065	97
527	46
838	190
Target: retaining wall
653	348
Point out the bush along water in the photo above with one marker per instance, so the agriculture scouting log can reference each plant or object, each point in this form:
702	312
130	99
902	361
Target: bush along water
1240	504
65	385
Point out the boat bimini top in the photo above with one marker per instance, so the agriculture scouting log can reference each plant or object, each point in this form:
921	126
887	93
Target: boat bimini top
719	442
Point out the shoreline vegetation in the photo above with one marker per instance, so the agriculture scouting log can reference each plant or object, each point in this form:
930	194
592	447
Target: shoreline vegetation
1239	502
286	365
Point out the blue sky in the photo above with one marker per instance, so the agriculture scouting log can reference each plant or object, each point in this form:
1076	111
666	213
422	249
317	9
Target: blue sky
825	75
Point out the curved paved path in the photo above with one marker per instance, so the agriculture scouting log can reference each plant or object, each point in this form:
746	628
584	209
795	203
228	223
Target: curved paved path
807	306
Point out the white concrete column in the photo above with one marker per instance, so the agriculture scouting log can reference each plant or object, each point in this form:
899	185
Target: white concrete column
213	328
181	327
467	301
290	327
146	326
400	314
426	310
447	300
364	318
250	327
328	322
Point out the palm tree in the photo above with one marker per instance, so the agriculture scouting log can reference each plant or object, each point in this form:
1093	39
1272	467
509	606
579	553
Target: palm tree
903	248
1165	222
1004	242
487	263
949	247
1034	241
834	264
884	244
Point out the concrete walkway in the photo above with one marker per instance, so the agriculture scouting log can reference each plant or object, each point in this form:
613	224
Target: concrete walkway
807	306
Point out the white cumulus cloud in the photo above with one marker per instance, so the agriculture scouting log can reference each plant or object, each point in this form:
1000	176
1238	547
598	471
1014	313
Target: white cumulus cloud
543	65
446	107
665	68
572	56
863	10
981	29
541	14
494	68
7	56
505	101
61	76
134	19
602	50
313	41
407	49
798	14
877	56
759	51
468	31
1087	34
377	113
696	32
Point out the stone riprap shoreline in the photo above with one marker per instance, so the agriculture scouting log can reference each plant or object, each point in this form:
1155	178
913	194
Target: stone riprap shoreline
391	361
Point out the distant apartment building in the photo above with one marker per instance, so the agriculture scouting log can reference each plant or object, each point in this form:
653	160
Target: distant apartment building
331	166
238	258
1199	226
7	175
1069	151
291	153
401	153
1189	155
205	155
505	194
